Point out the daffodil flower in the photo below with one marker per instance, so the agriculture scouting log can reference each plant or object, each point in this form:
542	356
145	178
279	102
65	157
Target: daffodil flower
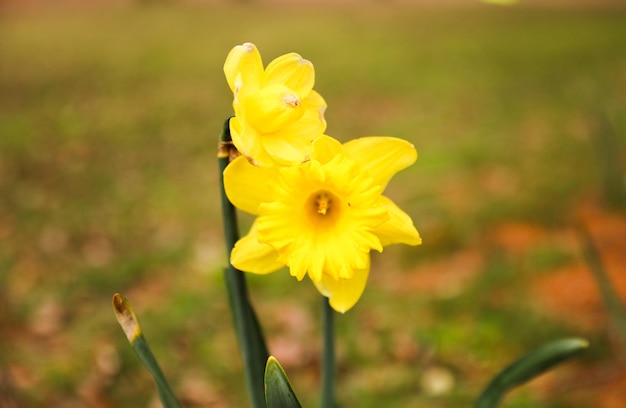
276	109
322	218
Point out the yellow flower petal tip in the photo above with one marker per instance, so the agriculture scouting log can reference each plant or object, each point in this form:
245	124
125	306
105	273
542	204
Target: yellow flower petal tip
321	218
277	112
343	294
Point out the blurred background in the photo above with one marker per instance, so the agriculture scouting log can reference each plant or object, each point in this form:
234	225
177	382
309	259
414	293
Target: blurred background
109	119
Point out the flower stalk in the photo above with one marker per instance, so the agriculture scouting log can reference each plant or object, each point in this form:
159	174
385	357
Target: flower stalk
329	366
249	334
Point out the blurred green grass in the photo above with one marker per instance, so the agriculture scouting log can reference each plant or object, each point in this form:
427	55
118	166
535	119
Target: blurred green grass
108	125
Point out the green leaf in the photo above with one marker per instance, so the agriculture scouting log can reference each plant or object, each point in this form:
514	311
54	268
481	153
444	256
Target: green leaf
607	290
128	320
278	391
529	366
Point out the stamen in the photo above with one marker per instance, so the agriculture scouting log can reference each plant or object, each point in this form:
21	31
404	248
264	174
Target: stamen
323	208
323	202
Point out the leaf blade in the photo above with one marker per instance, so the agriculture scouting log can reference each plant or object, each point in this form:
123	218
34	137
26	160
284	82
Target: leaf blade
128	321
529	366
278	391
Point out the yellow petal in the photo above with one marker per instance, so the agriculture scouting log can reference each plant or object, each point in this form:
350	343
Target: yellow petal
312	122
315	102
247	185
381	156
292	71
399	228
249	255
271	108
343	294
248	141
325	148
285	148
243	61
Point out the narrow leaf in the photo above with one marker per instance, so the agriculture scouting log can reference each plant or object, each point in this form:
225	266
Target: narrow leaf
529	366
278	391
607	290
128	320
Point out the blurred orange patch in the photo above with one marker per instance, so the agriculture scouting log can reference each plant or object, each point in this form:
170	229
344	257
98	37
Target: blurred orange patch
571	292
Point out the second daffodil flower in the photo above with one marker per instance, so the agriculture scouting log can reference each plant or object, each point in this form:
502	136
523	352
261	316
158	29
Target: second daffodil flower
276	109
321	218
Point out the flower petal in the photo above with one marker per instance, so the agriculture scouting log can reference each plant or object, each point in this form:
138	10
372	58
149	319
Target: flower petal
381	156
325	148
248	141
286	148
249	255
271	108
312	122
243	61
247	185
399	228
314	101
343	294
293	71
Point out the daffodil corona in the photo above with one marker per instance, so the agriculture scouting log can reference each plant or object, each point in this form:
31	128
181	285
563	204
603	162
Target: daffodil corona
322	218
276	109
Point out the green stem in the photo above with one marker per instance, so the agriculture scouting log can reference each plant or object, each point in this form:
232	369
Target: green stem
249	334
329	370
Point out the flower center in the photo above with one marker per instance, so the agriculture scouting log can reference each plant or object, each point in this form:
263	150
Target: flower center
324	205
323	202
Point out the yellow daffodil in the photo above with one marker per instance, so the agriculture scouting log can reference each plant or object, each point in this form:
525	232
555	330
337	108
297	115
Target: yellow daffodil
276	109
321	218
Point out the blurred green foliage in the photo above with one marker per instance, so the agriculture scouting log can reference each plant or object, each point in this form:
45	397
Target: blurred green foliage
109	118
